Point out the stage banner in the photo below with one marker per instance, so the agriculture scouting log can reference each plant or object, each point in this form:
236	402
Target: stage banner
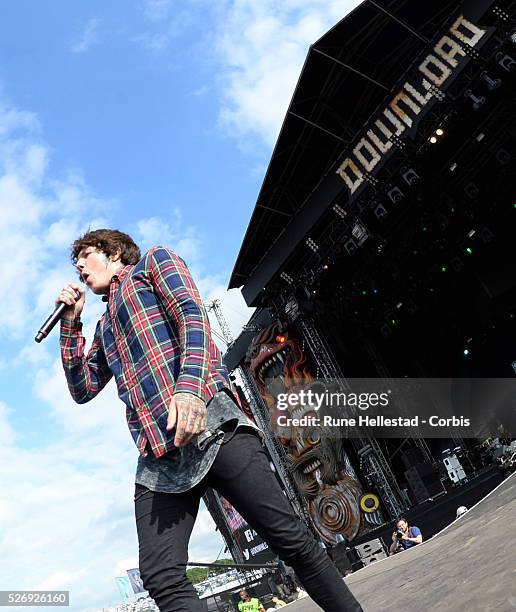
254	549
135	580
124	587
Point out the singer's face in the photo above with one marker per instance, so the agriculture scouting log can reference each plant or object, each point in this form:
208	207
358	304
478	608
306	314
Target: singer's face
96	269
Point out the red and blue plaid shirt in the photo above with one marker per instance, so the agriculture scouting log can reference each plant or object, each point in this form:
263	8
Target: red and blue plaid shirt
155	339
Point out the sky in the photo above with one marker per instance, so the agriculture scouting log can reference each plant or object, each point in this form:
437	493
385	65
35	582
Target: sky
158	118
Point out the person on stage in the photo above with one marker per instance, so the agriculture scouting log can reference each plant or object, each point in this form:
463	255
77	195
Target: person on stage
154	338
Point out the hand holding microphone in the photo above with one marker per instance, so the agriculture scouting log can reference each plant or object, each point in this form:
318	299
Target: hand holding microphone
73	296
69	305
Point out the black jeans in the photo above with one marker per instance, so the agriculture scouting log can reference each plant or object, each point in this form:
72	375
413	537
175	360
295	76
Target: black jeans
241	473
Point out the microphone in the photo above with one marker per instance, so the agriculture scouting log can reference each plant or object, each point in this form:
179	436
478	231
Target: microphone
50	323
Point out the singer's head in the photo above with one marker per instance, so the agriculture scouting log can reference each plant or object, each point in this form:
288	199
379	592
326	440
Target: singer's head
99	254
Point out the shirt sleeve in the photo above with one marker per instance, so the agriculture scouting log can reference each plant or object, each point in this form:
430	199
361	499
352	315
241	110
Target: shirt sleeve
175	287
415	532
86	375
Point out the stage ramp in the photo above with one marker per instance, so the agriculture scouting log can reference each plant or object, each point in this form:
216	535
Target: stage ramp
470	566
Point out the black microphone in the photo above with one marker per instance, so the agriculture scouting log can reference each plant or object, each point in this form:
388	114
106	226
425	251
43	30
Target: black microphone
50	323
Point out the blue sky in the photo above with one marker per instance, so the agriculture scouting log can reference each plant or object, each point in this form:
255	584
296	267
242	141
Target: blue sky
156	117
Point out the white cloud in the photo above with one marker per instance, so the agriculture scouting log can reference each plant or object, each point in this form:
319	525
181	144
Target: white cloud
40	215
88	37
261	46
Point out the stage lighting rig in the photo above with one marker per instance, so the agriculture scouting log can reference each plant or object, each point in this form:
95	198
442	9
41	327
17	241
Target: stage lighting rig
340	211
287	278
492	84
311	244
395	195
410	176
380	212
434	138
359	232
506	62
500	13
477	101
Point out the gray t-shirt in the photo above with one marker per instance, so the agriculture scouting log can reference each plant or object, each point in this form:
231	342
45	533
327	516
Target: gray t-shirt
185	467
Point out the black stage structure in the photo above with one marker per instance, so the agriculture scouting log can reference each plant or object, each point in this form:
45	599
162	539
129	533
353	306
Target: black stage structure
383	232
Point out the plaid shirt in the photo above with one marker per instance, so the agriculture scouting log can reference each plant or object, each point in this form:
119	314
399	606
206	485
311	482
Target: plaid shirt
155	339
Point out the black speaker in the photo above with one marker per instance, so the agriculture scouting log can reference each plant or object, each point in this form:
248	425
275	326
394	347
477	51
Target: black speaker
424	481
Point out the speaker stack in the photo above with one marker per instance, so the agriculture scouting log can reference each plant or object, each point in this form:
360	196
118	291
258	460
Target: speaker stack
424	481
371	551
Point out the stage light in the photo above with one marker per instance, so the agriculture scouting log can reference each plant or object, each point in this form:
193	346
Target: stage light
472	191
465	352
364	292
506	62
350	246
340	211
433	139
360	233
311	244
500	13
280	339
444	268
469	250
436	92
477	101
410	176
439	132
395	195
503	156
325	267
486	235
380	212
492	84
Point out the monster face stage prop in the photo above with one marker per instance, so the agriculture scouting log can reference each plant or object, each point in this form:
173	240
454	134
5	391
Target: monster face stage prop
318	462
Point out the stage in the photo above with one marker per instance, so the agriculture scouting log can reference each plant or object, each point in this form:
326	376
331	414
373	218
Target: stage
470	565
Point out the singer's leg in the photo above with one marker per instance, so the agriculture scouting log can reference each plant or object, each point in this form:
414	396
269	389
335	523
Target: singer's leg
241	473
164	523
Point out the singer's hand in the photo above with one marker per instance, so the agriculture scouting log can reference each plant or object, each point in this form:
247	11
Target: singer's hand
68	296
188	414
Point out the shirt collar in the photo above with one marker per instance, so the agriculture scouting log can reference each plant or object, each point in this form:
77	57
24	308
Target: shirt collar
116	279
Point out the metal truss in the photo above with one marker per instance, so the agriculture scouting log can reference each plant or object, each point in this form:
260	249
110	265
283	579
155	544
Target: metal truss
276	451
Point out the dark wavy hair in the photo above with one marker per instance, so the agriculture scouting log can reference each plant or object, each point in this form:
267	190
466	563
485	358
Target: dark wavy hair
109	242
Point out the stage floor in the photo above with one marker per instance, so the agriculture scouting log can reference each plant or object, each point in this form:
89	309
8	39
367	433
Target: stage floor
471	565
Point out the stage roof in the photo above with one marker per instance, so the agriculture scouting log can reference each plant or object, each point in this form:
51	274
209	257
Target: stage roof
347	74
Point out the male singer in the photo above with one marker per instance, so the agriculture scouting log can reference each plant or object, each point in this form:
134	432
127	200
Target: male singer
154	338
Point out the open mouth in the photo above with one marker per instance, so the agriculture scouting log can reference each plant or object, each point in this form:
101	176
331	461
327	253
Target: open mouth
273	366
313	465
